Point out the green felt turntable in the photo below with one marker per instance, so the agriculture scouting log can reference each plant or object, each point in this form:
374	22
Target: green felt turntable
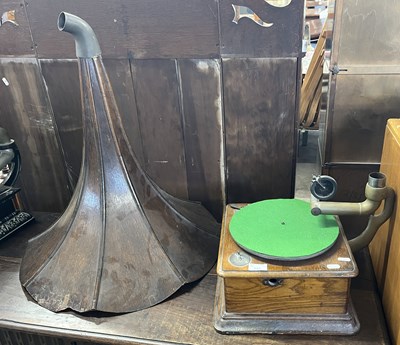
283	270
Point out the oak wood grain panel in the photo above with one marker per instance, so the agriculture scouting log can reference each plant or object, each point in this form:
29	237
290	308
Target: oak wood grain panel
385	246
259	101
142	28
16	40
293	296
203	128
26	113
282	39
159	111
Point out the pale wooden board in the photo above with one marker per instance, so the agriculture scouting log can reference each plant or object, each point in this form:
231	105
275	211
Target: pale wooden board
384	248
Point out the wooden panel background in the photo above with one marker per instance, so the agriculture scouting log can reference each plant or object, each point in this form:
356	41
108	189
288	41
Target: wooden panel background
62	78
203	125
181	105
27	115
260	97
247	39
16	40
141	29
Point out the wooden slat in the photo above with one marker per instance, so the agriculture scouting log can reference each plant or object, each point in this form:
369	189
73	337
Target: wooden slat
259	100
121	80
312	84
312	111
27	115
15	40
202	117
248	39
158	105
62	82
142	28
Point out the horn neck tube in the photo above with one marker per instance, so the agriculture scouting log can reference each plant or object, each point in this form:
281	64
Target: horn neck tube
86	43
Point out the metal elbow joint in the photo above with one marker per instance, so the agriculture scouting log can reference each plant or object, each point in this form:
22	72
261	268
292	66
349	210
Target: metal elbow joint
376	191
86	43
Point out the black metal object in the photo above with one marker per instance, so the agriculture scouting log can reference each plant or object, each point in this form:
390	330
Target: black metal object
11	217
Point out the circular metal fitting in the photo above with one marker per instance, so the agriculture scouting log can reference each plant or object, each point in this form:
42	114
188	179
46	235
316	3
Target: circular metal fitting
377	180
239	259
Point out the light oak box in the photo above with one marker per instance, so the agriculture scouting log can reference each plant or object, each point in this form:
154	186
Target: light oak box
264	296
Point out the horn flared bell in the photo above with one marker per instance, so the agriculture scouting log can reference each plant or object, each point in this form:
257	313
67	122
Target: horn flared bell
122	244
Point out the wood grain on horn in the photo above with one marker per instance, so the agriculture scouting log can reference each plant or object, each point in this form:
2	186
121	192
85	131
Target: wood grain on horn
122	244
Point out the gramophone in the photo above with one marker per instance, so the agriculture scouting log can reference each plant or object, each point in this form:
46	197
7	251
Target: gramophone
11	215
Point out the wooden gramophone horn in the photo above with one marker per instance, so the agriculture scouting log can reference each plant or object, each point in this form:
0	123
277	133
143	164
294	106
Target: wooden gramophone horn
122	244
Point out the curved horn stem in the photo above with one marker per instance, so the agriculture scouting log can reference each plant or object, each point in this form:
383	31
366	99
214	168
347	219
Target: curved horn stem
86	43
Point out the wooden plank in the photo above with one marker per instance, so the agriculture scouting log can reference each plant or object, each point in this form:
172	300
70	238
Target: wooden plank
202	117
26	113
158	105
384	248
62	82
312	119
16	40
311	88
143	28
248	39
259	100
121	80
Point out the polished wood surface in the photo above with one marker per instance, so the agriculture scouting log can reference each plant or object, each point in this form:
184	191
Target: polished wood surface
385	246
185	318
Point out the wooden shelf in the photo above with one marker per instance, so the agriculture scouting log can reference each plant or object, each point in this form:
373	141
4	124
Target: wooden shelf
185	318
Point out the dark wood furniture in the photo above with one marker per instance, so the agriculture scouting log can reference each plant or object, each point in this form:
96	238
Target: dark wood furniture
185	318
